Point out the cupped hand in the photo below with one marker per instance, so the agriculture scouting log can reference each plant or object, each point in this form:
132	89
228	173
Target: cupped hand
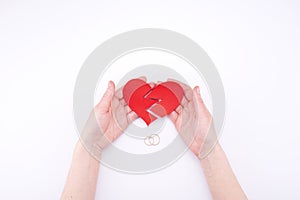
108	120
192	119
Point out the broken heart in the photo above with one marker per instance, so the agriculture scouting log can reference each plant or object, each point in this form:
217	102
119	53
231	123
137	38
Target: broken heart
148	102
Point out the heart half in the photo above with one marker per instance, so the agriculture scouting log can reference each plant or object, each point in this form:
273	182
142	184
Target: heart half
148	102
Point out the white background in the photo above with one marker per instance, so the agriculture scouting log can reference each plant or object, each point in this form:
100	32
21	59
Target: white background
254	44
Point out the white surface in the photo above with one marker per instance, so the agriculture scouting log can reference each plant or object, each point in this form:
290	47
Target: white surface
131	61
254	44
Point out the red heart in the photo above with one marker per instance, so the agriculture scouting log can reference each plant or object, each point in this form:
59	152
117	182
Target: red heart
161	100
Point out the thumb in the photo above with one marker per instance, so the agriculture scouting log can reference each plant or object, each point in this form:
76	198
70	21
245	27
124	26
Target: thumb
200	103
197	96
105	102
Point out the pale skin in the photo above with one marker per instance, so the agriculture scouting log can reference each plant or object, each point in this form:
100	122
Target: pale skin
191	119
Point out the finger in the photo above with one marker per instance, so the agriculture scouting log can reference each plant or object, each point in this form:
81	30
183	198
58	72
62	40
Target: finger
199	101
197	95
184	101
173	116
152	84
122	102
119	91
131	116
127	109
105	102
188	94
144	78
179	109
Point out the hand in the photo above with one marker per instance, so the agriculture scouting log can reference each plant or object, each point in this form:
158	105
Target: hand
192	119
108	120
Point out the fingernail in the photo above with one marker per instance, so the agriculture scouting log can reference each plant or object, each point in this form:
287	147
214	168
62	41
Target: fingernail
198	89
109	85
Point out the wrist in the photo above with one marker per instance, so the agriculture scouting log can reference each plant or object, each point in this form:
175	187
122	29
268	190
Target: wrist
215	153
82	152
209	143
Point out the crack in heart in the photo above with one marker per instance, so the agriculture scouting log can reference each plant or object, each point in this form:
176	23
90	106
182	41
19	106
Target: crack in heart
160	100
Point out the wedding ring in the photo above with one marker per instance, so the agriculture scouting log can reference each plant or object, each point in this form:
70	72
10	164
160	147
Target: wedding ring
152	140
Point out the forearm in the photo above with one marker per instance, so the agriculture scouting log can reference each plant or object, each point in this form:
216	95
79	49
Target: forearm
220	177
82	179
